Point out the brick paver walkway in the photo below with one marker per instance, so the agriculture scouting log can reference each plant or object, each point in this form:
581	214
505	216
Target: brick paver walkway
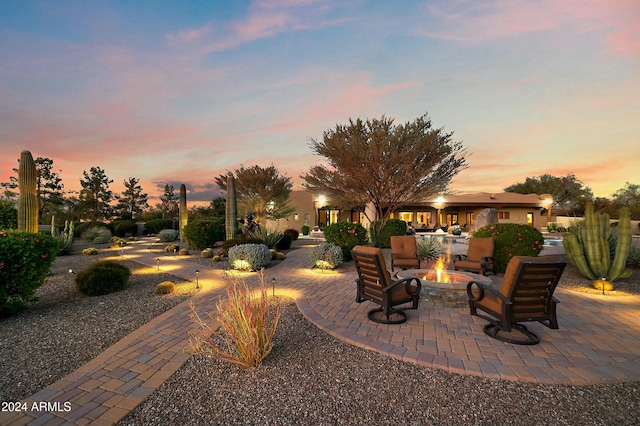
598	342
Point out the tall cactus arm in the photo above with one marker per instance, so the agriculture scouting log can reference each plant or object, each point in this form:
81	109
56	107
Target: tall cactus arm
618	266
576	257
593	244
28	200
231	216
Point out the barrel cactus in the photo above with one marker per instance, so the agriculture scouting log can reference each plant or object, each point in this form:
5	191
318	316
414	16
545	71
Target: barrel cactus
588	246
28	201
184	213
231	219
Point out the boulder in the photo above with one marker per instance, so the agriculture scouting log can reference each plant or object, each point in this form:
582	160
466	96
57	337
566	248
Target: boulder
484	218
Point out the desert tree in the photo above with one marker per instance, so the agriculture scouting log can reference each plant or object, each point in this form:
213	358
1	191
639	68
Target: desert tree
95	196
169	202
262	191
628	196
383	164
568	192
133	200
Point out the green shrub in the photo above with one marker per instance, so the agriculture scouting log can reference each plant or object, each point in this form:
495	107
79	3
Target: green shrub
165	287
285	242
249	257
305	229
81	227
293	233
326	255
124	228
97	234
248	323
237	241
207	253
118	242
347	235
216	258
429	248
25	261
154	226
102	278
8	215
168	235
511	239
391	228
201	234
90	251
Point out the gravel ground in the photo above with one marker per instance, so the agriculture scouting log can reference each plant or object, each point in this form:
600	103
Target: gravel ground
309	378
64	329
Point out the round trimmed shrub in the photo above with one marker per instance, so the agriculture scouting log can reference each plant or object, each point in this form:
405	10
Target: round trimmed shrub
216	258
201	234
326	255
102	278
347	235
154	226
168	235
305	229
293	232
124	228
91	251
165	287
183	252
285	242
391	228
249	257
511	239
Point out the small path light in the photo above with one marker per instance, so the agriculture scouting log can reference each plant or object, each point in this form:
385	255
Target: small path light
197	272
273	286
158	263
122	249
175	251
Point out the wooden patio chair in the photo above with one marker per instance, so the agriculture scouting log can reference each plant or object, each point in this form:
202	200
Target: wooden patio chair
526	294
404	252
479	257
374	283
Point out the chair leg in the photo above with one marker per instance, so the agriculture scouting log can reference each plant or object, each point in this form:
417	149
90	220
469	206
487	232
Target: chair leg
494	329
394	317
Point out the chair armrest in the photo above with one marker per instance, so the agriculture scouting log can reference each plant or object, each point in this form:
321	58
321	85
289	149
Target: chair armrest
482	287
407	283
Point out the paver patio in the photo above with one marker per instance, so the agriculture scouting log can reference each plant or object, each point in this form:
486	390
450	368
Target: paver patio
598	341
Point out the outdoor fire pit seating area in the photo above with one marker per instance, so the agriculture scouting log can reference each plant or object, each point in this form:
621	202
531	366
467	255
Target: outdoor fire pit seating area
525	294
374	283
404	252
479	257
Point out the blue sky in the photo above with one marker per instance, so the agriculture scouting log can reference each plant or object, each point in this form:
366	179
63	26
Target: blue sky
181	91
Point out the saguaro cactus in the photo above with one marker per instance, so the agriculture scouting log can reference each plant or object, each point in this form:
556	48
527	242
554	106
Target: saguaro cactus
231	216
28	201
184	214
65	238
588	246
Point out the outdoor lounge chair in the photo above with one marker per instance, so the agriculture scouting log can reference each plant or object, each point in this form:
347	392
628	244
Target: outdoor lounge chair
374	283
404	252
479	257
526	294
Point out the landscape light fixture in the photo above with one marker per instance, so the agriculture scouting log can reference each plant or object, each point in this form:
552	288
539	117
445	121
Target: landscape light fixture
197	272
158	263
273	286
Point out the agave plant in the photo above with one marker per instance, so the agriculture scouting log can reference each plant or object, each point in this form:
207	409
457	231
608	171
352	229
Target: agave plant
429	248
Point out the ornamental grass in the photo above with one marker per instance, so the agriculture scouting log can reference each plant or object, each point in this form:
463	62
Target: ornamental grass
247	323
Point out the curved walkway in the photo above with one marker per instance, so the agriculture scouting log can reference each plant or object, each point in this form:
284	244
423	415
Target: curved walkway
598	342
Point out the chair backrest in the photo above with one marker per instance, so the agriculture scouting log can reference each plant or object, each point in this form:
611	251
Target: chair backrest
372	270
479	248
529	282
404	246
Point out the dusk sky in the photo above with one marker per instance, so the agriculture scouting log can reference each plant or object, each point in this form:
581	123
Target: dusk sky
181	91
